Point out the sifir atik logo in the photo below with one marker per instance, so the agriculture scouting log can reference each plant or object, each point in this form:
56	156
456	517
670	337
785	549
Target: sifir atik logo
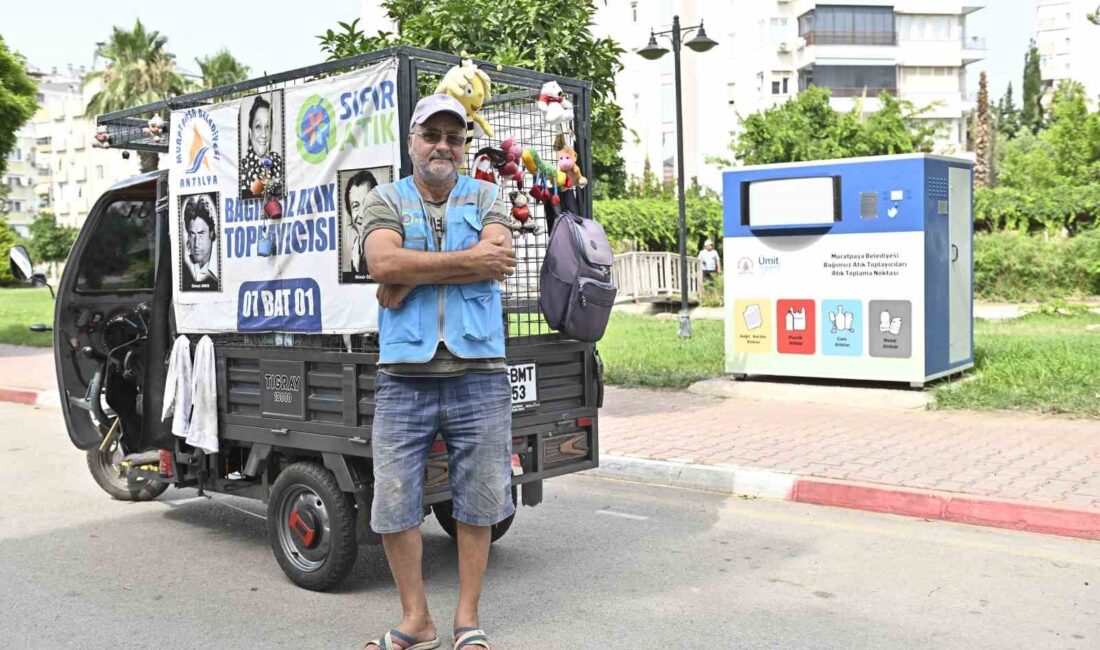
196	144
365	118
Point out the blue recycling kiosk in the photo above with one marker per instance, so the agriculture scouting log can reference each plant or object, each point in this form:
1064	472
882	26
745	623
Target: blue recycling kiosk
858	268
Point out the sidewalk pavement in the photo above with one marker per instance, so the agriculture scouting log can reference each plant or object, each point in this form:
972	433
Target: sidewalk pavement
27	375
877	452
865	448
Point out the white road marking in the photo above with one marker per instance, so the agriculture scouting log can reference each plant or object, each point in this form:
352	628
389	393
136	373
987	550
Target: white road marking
624	515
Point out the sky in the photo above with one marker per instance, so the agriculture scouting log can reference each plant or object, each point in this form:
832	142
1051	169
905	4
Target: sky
263	35
1006	26
270	39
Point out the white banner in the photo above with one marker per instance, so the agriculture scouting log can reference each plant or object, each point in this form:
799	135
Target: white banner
266	210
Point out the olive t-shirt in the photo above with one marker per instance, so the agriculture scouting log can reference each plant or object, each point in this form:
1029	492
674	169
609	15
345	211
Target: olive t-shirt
443	364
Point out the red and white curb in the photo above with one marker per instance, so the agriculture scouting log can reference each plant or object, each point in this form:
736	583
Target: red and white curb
30	397
929	504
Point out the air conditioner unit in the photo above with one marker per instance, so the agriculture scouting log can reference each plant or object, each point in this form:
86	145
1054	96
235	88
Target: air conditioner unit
784	47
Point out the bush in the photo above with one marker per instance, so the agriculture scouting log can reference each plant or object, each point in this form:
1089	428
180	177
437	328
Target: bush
1073	208
1016	267
654	224
8	238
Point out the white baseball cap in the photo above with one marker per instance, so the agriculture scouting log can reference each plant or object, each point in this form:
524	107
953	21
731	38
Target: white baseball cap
707	242
429	105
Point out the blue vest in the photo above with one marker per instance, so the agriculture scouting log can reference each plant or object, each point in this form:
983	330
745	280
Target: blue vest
468	318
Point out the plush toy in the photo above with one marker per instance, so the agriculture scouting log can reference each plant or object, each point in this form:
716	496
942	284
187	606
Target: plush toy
521	215
483	167
555	107
471	87
535	166
511	166
102	138
567	162
504	162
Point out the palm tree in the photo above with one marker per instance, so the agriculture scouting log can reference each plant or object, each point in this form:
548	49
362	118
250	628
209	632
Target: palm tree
139	71
221	69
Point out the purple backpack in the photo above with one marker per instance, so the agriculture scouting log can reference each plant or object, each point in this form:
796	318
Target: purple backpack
576	293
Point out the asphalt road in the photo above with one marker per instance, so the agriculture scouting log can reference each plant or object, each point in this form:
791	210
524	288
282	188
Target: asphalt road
600	564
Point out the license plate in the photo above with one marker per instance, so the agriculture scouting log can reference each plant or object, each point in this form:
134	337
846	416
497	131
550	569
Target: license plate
524	386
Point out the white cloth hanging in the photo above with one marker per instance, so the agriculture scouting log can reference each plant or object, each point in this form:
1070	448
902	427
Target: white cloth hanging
177	388
203	430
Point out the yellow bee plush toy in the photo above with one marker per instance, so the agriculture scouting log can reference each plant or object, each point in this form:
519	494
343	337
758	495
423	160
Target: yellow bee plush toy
470	86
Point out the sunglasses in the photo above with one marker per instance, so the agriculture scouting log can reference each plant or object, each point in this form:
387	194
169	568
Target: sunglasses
433	137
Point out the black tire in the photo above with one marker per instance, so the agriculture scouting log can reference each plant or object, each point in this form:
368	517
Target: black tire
104	468
444	514
320	558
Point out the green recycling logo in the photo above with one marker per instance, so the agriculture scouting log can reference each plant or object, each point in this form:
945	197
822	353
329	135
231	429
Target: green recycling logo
316	135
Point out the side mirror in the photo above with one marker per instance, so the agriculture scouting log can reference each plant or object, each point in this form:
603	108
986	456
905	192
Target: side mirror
21	267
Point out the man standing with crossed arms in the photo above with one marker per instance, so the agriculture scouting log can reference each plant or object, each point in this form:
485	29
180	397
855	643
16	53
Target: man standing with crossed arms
438	243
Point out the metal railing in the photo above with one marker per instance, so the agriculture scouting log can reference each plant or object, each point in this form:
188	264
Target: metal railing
861	91
655	277
820	37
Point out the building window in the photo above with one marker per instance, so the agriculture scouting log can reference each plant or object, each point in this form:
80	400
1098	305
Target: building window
786	85
845	25
778	30
99	168
775	87
852	81
731	93
634	11
759	82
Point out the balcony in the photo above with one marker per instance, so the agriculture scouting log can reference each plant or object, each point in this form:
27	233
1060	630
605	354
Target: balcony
864	91
850	38
973	49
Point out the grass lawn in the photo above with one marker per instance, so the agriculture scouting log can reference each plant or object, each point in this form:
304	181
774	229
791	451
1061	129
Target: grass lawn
645	351
1044	363
21	308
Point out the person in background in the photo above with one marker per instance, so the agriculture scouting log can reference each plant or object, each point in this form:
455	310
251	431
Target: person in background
711	260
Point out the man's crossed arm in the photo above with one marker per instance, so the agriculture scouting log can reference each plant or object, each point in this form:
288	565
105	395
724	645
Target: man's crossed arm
398	270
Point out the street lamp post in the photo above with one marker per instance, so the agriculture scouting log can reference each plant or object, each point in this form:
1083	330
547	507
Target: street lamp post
652	51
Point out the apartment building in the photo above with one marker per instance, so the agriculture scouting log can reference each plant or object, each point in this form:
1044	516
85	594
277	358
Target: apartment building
1069	45
73	173
21	176
917	50
769	50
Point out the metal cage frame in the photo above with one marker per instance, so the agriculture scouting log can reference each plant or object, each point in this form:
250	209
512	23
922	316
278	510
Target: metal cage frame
126	130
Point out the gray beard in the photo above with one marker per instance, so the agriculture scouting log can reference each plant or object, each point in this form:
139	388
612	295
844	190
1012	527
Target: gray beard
428	177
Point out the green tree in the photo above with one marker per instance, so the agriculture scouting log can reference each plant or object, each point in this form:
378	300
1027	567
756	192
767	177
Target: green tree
49	241
139	71
17	101
1027	162
1031	114
1094	17
808	128
531	35
8	238
1007	116
221	69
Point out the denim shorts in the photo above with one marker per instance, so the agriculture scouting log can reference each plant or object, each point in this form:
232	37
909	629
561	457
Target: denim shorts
473	412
